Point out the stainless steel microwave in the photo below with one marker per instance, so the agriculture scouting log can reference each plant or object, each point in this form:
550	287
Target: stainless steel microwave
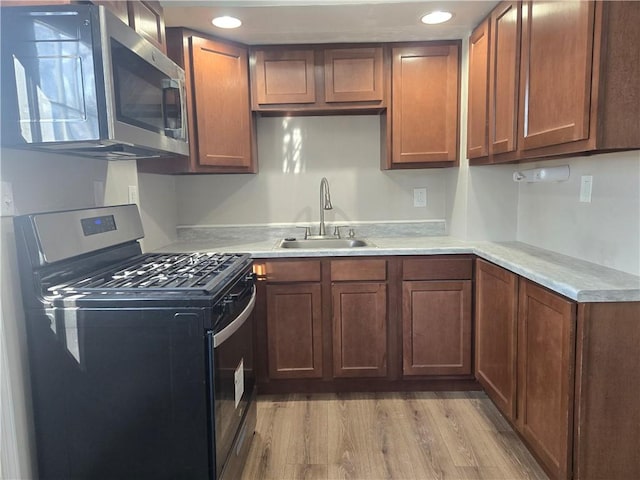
77	80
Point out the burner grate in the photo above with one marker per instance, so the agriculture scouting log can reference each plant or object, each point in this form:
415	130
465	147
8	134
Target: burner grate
162	272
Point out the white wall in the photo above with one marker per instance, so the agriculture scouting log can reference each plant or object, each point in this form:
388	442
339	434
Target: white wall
294	154
158	210
605	231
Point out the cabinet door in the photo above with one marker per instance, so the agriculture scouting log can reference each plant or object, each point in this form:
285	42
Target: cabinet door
425	81
146	17
221	103
283	76
118	8
557	52
436	328
359	329
504	78
294	330
478	119
546	356
353	74
496	334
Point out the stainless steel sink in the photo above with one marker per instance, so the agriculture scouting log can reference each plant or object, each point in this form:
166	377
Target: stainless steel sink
325	243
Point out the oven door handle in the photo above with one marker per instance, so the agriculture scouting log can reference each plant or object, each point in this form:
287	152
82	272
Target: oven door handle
220	337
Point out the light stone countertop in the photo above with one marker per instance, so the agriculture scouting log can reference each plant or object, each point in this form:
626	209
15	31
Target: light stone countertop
576	279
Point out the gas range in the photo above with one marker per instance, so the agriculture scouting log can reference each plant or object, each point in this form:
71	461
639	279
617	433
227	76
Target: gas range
141	364
185	273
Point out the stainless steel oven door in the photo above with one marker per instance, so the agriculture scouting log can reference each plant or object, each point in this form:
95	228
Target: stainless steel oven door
232	380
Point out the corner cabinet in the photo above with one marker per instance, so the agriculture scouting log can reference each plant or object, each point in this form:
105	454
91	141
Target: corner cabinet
423	121
496	306
563	79
221	127
559	371
546	356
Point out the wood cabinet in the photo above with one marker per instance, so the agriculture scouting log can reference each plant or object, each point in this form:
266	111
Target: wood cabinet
353	74
563	79
546	356
571	387
145	17
282	76
294	329
436	316
496	313
477	111
607	417
423	120
221	127
359	329
322	78
292	297
359	317
504	61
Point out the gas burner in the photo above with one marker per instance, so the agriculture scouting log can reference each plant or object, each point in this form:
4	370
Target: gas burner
166	272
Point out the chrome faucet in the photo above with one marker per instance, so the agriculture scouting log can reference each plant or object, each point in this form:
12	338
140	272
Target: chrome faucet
325	204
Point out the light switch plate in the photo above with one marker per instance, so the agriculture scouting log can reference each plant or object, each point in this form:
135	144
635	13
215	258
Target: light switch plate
133	194
419	197
586	185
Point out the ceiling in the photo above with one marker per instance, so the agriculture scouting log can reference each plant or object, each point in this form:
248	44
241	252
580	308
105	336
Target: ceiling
280	22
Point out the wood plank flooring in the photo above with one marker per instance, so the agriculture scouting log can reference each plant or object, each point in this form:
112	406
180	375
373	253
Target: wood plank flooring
400	436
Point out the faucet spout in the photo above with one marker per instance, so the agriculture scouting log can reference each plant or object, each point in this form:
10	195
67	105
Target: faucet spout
325	204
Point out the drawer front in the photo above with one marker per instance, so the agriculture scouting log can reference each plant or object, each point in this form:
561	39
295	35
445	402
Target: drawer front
349	270
288	271
449	268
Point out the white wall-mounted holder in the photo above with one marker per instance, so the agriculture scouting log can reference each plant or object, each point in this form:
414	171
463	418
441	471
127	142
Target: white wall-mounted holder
544	174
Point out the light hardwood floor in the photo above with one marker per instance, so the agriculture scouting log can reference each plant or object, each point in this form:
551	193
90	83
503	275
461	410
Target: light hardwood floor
400	436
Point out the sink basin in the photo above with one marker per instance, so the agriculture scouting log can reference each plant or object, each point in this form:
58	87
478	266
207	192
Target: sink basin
325	243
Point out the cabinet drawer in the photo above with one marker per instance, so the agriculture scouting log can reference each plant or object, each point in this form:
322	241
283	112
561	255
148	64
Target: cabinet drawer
346	270
289	271
437	268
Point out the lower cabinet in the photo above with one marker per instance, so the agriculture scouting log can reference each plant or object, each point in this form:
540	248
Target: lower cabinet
496	307
359	329
546	357
364	323
294	326
559	371
436	328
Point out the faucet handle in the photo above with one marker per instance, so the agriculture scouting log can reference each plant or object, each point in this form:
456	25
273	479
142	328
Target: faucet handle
336	230
307	230
352	233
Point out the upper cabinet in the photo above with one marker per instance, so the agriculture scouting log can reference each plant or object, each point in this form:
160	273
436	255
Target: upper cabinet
423	122
221	127
318	78
562	80
146	18
477	119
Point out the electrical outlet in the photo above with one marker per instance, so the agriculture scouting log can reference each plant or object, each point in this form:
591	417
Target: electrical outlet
586	185
98	193
419	197
7	206
133	194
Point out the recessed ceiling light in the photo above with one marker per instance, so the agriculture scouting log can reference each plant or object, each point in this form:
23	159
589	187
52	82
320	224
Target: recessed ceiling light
436	17
226	22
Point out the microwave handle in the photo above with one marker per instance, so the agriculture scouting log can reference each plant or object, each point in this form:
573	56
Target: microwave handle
174	84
